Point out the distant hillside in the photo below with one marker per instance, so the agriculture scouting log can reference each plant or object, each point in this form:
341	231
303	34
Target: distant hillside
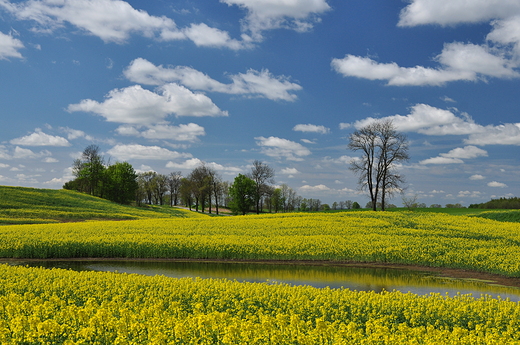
20	205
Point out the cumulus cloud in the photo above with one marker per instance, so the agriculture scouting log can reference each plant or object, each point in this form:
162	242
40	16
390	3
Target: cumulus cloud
317	188
507	134
189	132
38	138
476	177
282	148
110	20
204	36
299	15
457	155
9	47
450	12
21	153
290	171
135	105
430	120
311	128
497	184
192	163
458	61
252	83
127	152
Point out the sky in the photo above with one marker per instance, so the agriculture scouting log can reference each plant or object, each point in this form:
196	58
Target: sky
168	85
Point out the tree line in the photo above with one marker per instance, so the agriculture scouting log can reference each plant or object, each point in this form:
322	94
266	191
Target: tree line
203	189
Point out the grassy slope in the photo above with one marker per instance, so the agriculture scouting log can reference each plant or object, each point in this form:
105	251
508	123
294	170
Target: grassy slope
19	205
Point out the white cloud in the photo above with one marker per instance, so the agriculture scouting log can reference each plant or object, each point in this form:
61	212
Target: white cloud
205	36
341	160
110	20
278	147
476	177
442	160
75	133
21	153
135	105
127	152
344	125
507	134
9	47
458	61
311	128
50	160
192	163
317	188
189	132
299	15
253	83
449	12
497	184
456	155
38	138
429	120
469	194
290	171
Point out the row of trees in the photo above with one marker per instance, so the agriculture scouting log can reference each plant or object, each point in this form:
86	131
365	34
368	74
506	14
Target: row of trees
116	182
382	148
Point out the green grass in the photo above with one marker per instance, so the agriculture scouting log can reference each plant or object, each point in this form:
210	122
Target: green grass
20	205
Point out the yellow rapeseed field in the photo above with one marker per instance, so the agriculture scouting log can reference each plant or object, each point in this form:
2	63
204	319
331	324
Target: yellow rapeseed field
41	306
430	239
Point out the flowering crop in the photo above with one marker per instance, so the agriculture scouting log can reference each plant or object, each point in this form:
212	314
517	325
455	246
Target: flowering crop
429	239
40	306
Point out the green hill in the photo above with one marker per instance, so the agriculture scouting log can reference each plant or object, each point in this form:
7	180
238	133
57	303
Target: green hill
20	205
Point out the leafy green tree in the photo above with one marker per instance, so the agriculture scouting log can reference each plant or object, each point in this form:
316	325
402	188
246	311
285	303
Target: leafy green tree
356	205
121	183
242	194
89	170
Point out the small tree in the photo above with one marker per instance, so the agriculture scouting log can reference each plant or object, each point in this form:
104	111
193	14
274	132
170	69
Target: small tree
242	194
121	183
382	149
263	175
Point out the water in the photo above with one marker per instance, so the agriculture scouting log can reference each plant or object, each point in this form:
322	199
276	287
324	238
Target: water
320	276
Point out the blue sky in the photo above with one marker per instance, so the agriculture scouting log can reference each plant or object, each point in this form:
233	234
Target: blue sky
166	85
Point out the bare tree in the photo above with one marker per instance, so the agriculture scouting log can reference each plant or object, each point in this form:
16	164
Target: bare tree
263	175
382	149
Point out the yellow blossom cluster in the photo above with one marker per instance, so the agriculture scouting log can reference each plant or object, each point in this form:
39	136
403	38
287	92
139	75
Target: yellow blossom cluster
41	306
429	239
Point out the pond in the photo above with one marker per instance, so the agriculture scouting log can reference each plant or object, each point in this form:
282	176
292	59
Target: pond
320	276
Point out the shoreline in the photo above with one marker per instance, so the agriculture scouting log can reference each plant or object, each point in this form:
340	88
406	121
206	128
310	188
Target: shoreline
457	273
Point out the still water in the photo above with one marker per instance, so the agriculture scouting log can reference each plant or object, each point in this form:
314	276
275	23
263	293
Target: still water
354	278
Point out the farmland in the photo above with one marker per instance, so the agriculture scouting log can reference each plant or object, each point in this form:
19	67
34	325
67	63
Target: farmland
42	306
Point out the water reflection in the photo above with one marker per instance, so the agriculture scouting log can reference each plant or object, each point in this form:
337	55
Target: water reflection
354	278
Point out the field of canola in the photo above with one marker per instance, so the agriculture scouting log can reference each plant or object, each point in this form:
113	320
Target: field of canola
40	306
429	239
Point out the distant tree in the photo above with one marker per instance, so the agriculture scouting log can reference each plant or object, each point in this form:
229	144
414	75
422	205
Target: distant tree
89	171
277	200
457	205
435	206
263	175
335	205
410	202
121	183
382	149
174	186
186	192
348	204
325	207
242	194
303	205
356	205
160	187
145	182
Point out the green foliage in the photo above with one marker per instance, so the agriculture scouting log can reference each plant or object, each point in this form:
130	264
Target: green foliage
242	194
19	205
502	203
356	205
502	216
121	184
